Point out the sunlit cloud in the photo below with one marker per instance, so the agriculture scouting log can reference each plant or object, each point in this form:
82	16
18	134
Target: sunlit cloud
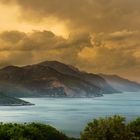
99	36
10	20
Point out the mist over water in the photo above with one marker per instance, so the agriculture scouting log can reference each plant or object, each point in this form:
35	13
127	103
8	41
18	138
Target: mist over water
70	115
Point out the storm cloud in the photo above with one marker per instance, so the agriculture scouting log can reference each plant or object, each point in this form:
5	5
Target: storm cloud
103	35
101	53
92	15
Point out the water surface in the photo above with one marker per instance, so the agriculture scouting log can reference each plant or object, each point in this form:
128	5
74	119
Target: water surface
70	115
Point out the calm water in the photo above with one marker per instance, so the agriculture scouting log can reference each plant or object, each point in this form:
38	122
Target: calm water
71	115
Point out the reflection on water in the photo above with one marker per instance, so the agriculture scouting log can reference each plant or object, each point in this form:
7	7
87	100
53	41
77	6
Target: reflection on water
70	115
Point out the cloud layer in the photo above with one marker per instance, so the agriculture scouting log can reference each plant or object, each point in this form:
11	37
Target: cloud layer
104	35
116	52
92	15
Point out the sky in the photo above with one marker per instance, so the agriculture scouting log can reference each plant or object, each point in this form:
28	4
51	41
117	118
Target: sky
98	36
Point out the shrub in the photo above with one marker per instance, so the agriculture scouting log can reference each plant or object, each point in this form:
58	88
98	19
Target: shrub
134	126
33	131
112	128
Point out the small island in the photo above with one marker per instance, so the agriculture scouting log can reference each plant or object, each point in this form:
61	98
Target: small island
12	101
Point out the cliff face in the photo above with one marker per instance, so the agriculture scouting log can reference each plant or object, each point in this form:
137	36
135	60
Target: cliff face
90	78
51	78
121	84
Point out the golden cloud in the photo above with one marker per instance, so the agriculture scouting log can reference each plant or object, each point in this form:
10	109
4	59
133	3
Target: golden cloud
91	15
104	34
88	52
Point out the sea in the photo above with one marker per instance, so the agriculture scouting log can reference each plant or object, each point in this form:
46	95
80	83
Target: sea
71	115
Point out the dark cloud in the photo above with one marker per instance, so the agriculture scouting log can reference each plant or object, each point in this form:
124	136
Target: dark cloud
16	47
91	15
12	36
123	35
96	53
105	35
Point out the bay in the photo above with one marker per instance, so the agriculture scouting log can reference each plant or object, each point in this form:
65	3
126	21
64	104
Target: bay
70	115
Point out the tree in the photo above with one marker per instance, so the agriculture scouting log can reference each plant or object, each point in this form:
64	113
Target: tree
112	128
33	131
134	126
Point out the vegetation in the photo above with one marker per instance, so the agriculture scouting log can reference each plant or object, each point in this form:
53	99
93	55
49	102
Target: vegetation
33	131
111	128
134	126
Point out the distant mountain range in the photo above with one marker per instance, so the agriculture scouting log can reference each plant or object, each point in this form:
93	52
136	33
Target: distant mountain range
55	79
121	84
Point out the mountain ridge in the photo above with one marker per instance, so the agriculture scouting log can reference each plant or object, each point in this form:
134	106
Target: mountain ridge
53	79
122	84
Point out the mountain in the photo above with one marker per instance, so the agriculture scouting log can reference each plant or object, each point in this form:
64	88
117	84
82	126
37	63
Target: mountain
121	84
53	79
12	101
90	78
